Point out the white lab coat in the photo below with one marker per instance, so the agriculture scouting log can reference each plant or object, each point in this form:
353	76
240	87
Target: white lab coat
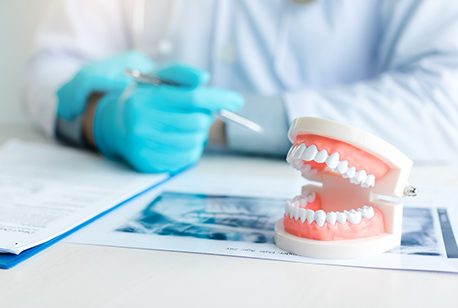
388	66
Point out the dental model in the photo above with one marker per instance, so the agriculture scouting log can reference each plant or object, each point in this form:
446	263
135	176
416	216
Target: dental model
355	209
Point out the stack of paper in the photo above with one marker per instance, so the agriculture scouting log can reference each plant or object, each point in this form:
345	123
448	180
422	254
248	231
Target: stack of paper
47	190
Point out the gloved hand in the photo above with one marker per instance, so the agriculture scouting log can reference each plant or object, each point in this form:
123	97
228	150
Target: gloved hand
162	128
157	129
99	76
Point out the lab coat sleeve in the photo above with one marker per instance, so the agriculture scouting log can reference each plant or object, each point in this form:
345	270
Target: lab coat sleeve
269	112
73	33
413	101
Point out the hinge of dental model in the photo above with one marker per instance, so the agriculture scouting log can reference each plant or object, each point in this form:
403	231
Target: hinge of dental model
410	191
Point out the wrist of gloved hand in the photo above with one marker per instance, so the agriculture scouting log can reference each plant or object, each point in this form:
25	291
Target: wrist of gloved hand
98	76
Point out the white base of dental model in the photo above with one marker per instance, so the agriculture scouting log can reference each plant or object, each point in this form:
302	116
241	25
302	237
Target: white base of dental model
340	249
342	190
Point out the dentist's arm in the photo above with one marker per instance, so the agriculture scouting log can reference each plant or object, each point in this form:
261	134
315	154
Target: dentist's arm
412	103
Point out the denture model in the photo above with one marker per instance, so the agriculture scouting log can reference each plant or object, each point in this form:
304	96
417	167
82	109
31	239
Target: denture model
353	206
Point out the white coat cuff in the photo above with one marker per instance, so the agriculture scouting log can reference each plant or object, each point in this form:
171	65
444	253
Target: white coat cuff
270	113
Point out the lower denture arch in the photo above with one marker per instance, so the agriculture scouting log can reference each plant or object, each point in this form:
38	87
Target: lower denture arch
311	228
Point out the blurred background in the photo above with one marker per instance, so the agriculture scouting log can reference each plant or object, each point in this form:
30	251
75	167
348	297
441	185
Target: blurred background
18	21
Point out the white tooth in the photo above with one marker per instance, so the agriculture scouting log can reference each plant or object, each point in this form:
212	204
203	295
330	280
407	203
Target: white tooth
304	200
311	197
311	172
371	212
331	218
287	206
342	167
288	156
361	176
341	217
354	217
370	180
310	153
306	168
302	214
367	211
297	163
292	152
291	210
350	173
321	156
364	212
320	217
310	216
300	150
296	213
333	160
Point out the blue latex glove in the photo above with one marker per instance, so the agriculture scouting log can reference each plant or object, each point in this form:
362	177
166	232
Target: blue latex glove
164	128
99	76
158	129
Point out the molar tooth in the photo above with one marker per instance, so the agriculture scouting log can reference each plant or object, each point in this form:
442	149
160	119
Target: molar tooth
300	150
302	214
321	156
331	218
311	197
310	216
367	212
333	160
370	180
341	217
342	167
310	153
364	212
354	217
350	173
320	217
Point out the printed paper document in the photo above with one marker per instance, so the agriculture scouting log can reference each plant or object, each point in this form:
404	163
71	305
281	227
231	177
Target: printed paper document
46	190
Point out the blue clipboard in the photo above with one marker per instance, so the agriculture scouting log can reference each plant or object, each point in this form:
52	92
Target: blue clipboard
9	260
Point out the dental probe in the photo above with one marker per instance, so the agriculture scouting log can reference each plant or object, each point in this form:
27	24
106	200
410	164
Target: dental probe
225	114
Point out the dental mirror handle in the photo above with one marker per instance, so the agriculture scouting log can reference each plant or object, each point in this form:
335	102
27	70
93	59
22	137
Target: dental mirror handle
224	114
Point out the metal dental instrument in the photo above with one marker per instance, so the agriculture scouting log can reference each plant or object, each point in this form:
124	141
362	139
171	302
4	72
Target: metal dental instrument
225	114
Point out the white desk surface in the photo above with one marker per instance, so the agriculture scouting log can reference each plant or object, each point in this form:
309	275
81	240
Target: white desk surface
71	275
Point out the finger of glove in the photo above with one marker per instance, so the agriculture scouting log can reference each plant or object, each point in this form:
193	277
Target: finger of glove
184	75
153	160
207	99
171	142
170	121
